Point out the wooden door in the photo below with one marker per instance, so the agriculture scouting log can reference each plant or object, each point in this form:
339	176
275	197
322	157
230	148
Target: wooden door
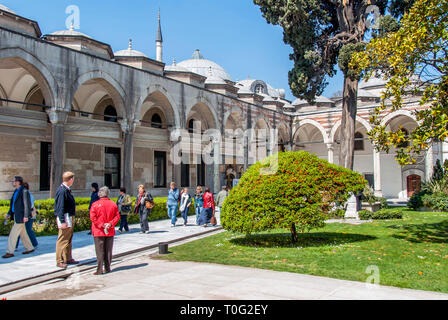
413	184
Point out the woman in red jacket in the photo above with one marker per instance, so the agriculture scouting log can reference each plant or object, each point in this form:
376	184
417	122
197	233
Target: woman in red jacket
208	210
104	215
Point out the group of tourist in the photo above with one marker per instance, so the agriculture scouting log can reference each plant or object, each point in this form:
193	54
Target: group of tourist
104	215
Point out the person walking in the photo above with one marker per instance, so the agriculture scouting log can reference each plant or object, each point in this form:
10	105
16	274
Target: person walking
29	223
208	210
93	198
104	215
20	213
198	203
173	203
65	210
220	198
124	204
140	207
185	203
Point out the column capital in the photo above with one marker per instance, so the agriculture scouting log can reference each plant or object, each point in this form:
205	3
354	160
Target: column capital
128	126
57	116
330	145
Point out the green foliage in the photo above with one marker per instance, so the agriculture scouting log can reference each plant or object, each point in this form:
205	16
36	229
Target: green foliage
436	201
380	214
46	220
414	61
345	56
386	24
368	195
416	200
301	193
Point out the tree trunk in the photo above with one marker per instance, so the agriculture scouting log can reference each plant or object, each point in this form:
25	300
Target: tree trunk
348	122
294	235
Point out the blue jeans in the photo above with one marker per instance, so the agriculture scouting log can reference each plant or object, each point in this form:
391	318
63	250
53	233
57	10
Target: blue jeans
30	232
172	213
185	214
198	214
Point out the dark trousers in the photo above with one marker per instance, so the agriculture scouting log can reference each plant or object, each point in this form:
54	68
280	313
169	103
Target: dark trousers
124	223
103	248
144	220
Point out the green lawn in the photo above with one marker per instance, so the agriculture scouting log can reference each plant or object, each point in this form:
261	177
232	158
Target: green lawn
411	252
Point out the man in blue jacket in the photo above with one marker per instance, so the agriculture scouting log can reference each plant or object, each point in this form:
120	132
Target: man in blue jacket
20	212
173	203
64	210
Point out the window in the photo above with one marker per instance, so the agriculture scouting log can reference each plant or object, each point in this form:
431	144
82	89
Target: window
404	144
370	179
156	121
110	114
259	88
359	141
191	126
200	169
112	165
185	171
45	166
159	169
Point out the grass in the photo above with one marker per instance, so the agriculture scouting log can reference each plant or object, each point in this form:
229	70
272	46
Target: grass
410	253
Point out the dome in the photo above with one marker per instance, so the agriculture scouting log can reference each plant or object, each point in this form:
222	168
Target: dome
70	33
2	7
129	52
176	68
197	64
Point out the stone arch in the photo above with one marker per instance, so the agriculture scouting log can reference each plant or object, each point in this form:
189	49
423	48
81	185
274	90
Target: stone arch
229	114
313	123
173	113
404	176
207	107
38	70
395	114
109	84
335	128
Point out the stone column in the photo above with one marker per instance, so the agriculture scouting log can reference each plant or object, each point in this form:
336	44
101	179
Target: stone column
330	147
429	163
128	128
216	164
58	118
377	173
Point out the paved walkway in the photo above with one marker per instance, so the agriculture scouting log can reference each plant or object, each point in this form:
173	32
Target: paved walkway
145	278
43	260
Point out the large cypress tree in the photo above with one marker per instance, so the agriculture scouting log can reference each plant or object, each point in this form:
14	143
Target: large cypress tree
323	33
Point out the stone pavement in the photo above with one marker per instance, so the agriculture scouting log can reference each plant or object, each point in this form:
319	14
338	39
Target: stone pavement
43	260
146	278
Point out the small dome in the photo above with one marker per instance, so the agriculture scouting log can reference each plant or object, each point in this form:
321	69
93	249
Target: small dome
71	33
176	68
199	65
3	8
129	52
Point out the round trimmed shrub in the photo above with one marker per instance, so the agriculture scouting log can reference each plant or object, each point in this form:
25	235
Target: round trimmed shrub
298	196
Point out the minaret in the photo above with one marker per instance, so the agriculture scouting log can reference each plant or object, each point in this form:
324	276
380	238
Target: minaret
159	43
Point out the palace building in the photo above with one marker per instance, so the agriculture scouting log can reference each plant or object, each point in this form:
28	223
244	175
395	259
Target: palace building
69	102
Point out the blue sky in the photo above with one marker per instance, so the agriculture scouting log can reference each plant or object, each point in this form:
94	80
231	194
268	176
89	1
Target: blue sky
232	33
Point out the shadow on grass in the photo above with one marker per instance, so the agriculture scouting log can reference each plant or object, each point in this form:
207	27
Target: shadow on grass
426	232
315	239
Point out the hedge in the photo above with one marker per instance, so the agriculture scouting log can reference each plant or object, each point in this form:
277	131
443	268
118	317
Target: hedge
46	221
380	214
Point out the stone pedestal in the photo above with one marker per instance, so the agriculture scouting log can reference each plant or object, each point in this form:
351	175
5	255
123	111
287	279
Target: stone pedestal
352	208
